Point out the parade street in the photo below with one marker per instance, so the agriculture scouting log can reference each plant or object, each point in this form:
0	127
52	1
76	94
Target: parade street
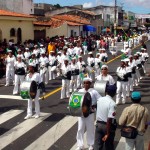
56	129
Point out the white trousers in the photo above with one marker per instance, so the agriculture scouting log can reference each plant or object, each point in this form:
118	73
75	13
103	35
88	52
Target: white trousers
44	76
73	83
52	74
129	86
138	143
9	72
121	90
79	81
85	49
18	80
88	124
97	72
65	88
134	77
36	102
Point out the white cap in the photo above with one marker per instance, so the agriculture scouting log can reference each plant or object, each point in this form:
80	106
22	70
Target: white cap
87	79
66	58
19	56
126	59
41	45
32	64
9	51
90	53
79	56
35	45
26	48
104	66
130	56
19	50
97	54
42	52
103	49
74	58
51	51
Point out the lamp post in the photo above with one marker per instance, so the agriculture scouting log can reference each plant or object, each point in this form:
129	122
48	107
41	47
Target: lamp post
115	20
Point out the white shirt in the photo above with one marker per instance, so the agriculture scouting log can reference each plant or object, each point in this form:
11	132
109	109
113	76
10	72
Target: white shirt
108	78
77	50
94	95
10	61
27	55
81	68
35	77
106	108
52	59
90	60
65	69
74	66
19	64
43	59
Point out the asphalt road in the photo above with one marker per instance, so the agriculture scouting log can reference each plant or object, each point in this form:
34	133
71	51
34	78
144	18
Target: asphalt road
56	129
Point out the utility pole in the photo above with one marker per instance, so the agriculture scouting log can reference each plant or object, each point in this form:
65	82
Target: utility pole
115	18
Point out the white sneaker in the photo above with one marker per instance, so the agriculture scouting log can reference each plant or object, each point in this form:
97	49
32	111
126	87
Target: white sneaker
91	148
28	117
79	148
6	84
36	116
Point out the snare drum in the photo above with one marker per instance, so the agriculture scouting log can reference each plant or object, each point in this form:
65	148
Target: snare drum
100	87
28	90
79	104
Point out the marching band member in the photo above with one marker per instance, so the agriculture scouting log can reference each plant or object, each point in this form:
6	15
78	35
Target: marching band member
34	60
27	55
74	74
58	58
87	122
66	77
19	74
78	50
64	55
122	81
129	74
33	76
70	50
103	56
81	66
42	48
91	63
36	51
97	65
105	76
10	61
133	66
44	62
52	63
20	54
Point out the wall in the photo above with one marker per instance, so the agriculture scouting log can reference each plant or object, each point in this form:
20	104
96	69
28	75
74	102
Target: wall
20	6
25	25
60	31
76	29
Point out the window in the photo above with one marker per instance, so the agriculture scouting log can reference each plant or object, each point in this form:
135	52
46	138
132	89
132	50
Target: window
12	32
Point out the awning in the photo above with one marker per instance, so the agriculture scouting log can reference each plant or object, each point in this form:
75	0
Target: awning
89	28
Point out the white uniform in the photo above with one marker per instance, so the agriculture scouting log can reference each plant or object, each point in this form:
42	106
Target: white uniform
121	85
52	61
10	61
107	78
88	122
97	67
78	51
44	68
81	74
65	82
18	78
73	82
35	77
91	60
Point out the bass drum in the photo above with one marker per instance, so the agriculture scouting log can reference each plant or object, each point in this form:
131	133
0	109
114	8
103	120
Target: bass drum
100	87
28	90
80	104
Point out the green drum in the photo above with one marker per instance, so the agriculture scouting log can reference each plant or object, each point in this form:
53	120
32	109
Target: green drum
80	104
28	90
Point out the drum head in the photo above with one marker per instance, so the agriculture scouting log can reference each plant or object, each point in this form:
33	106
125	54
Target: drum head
86	105
33	89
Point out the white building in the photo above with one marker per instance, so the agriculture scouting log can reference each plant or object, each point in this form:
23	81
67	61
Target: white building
19	6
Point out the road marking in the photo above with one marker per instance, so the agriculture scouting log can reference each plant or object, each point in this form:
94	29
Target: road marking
53	134
21	129
12	97
9	114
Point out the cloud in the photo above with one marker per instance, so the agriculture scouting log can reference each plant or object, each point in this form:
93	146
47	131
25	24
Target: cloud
88	5
140	3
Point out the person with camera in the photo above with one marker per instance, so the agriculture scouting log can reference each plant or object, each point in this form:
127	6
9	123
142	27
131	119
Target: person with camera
134	118
105	120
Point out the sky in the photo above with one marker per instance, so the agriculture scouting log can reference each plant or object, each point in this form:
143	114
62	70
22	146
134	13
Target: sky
137	6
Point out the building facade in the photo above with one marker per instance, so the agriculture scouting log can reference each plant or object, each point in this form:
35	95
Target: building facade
19	6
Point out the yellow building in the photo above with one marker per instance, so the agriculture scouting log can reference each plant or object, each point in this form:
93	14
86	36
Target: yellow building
15	26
